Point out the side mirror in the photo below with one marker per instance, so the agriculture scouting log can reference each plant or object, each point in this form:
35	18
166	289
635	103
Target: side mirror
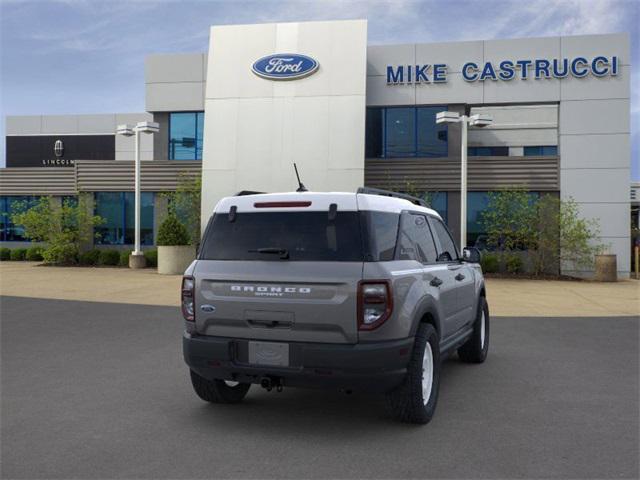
471	255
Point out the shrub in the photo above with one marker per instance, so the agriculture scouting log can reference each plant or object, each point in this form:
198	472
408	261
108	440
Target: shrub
61	254
34	254
109	257
513	263
124	258
172	232
152	258
5	254
64	227
18	254
490	263
90	257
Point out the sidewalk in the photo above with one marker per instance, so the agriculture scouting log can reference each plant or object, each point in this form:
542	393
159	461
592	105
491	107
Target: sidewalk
514	298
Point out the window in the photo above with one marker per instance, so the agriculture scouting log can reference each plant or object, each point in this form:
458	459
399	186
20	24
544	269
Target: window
185	135
381	231
541	151
405	132
438	202
9	232
117	209
488	151
304	236
447	251
415	241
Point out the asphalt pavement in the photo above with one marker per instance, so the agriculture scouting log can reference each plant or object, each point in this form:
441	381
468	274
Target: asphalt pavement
99	390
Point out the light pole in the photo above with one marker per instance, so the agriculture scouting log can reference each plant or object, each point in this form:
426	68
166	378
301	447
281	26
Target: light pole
477	120
136	259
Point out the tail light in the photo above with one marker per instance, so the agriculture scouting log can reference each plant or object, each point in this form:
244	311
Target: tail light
375	303
188	308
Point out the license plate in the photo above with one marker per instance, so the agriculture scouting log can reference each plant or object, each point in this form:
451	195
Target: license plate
268	353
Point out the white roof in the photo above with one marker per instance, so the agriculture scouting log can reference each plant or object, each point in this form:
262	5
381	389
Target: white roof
319	201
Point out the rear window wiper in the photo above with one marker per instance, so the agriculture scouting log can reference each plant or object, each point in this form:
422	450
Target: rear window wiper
283	252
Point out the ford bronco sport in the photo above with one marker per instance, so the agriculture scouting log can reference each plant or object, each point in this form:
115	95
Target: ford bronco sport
354	291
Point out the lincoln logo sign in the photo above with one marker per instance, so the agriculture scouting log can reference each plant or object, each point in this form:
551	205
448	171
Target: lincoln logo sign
58	148
285	66
505	70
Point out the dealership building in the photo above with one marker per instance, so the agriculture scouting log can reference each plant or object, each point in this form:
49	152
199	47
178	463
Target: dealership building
349	114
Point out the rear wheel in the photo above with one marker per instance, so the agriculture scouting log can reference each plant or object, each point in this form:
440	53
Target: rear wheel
218	391
476	348
415	400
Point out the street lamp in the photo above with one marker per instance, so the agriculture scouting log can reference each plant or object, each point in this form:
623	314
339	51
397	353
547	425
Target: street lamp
477	120
136	259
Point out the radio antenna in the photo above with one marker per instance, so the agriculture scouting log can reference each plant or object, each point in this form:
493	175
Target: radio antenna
301	187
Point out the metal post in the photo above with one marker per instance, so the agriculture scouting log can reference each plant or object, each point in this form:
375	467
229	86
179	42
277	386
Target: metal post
463	184
136	250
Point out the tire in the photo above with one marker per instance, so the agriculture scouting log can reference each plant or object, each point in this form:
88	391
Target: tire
476	348
407	403
218	391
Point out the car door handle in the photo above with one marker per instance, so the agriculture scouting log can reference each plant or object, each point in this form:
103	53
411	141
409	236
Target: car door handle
459	277
435	282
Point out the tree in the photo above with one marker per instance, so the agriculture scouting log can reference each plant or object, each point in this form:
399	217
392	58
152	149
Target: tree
509	219
172	232
184	203
63	227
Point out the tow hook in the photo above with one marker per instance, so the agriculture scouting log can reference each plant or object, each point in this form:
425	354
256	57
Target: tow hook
269	383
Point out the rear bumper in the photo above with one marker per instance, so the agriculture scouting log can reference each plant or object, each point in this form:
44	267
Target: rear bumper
378	366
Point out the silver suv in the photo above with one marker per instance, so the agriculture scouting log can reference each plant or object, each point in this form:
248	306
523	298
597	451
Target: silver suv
354	291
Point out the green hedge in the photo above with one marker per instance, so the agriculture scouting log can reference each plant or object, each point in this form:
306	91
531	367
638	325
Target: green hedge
5	254
124	258
18	254
90	257
513	263
172	232
490	263
109	257
34	254
151	257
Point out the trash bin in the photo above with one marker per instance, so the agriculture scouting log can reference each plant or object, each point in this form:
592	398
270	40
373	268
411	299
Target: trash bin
606	268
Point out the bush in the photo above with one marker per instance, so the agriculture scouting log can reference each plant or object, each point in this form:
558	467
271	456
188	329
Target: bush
61	254
90	257
490	263
513	263
124	258
172	232
5	254
18	254
34	254
109	257
151	257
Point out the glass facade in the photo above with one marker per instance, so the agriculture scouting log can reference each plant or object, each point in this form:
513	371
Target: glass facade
117	209
488	151
438	202
541	151
405	132
9	232
185	135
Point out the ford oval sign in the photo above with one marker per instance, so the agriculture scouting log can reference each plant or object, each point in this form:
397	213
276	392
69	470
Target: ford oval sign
285	66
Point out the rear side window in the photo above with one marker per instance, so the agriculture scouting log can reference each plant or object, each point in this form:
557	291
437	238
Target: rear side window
448	251
415	241
305	236
380	231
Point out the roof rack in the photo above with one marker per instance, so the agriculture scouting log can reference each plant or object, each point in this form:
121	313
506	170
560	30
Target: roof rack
389	193
242	193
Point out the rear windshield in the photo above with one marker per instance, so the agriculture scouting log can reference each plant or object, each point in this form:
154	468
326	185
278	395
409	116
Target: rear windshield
278	236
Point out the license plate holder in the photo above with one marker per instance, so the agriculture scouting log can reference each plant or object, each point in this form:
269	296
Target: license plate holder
269	353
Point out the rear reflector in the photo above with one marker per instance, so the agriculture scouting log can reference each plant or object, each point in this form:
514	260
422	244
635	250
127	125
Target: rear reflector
281	204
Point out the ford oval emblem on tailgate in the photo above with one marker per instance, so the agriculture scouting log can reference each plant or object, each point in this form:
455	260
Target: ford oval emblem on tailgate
284	66
208	308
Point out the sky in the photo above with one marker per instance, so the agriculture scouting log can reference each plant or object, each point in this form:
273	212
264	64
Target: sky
87	56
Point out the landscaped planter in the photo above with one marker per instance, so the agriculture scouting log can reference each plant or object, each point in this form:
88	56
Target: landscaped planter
174	260
606	268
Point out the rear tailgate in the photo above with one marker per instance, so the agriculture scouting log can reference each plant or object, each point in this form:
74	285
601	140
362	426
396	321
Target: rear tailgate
278	300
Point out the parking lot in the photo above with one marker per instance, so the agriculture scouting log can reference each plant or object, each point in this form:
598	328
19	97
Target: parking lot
99	390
